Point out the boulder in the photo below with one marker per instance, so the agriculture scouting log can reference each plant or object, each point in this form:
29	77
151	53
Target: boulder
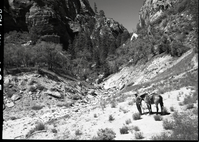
121	86
15	97
92	92
9	104
53	94
6	81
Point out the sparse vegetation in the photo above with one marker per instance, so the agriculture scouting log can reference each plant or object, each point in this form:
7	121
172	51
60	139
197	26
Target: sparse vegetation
165	111
111	118
189	100
157	118
184	128
40	126
95	115
105	134
190	106
54	130
102	104
113	103
168	125
124	130
172	108
136	116
136	128
178	99
139	135
128	121
78	132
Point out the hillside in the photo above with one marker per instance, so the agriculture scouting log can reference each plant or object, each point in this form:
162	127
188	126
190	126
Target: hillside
85	89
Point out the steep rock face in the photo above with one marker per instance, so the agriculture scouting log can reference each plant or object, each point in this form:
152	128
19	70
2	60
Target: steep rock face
152	9
47	17
54	20
107	26
169	20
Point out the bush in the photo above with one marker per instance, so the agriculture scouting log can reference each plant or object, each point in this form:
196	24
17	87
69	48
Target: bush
189	100
139	135
95	115
40	126
105	134
157	118
190	106
128	121
124	130
177	49
136	128
171	108
78	132
184	127
111	118
165	111
54	130
168	125
113	103
136	116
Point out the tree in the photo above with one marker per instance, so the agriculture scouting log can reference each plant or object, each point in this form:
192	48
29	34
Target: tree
118	40
95	8
125	35
50	53
101	13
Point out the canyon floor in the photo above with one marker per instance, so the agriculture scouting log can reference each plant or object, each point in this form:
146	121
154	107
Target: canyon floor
39	107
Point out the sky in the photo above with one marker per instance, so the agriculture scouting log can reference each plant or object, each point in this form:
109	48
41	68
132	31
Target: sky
126	12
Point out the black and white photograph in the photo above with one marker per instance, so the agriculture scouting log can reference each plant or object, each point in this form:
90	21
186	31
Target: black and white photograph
99	69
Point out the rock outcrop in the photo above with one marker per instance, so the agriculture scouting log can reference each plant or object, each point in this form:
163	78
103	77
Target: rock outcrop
54	20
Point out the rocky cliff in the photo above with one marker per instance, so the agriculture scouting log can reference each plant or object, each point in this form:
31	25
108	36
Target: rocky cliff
170	29
172	19
58	19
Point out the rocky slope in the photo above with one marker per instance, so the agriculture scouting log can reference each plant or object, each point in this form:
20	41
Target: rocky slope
54	20
62	111
170	20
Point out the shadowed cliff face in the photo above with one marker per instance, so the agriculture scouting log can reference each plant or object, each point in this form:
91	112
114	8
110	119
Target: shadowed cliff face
62	18
47	17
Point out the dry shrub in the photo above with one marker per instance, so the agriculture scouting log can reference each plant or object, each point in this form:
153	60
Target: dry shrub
139	135
136	116
105	134
184	127
124	130
157	118
128	121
